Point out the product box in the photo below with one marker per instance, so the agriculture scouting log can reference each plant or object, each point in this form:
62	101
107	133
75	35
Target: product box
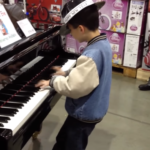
137	17
45	10
113	16
133	51
146	50
149	6
117	41
73	46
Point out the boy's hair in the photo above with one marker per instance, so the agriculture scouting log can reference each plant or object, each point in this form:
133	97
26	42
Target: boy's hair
88	17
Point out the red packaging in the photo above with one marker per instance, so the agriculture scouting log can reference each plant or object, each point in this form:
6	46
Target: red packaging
149	6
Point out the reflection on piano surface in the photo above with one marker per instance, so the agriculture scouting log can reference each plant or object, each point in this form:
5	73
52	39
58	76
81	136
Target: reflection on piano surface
22	106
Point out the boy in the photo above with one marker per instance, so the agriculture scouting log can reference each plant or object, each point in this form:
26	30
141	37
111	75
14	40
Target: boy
87	86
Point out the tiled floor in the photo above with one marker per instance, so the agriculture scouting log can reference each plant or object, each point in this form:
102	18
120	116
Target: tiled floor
125	127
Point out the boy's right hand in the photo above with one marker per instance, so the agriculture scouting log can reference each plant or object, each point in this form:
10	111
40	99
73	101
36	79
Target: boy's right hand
58	71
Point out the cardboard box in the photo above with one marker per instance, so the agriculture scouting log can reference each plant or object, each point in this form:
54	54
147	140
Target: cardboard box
73	46
133	51
146	51
137	17
117	41
113	15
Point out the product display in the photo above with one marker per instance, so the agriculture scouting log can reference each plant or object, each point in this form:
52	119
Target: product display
113	15
117	45
137	17
43	10
146	50
133	51
127	48
73	46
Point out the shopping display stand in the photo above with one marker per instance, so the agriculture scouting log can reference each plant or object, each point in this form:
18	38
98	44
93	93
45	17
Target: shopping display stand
126	71
143	74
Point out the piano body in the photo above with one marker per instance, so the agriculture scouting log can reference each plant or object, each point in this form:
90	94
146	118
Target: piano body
22	64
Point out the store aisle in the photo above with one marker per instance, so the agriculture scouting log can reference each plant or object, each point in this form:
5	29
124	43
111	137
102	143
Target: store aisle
126	125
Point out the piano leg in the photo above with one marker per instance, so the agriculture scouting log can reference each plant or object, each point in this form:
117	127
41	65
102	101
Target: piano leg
37	132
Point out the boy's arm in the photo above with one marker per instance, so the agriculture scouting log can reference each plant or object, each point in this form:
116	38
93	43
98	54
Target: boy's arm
81	81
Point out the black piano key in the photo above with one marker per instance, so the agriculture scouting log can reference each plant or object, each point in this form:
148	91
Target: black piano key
22	101
12	105
11	92
8	111
4	119
16	97
18	87
1	125
23	82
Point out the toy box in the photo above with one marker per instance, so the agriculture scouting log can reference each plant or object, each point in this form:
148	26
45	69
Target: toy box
137	17
146	51
117	45
73	46
44	10
113	15
133	51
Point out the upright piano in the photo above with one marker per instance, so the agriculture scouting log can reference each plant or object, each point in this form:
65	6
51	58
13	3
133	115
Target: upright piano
22	64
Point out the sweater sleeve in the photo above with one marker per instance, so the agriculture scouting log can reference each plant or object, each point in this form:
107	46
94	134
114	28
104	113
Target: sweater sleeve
81	81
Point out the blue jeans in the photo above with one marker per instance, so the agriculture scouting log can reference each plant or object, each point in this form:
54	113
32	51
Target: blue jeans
73	135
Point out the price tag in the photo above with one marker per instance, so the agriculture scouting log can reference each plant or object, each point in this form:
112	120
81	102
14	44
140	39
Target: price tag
26	27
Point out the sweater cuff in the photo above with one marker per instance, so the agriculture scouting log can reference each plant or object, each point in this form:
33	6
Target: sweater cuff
67	72
54	77
52	80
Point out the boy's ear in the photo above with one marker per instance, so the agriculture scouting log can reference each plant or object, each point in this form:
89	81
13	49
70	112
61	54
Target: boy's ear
81	28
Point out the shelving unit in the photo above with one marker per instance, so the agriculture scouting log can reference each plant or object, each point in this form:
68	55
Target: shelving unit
126	71
143	74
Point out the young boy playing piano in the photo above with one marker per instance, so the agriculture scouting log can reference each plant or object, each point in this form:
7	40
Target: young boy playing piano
87	86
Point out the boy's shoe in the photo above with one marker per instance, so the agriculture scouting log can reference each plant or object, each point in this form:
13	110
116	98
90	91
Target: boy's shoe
145	87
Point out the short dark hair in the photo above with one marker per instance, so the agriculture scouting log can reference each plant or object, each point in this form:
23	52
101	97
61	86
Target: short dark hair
88	17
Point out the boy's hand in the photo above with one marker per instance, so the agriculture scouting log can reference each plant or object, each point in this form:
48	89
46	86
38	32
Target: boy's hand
58	71
42	84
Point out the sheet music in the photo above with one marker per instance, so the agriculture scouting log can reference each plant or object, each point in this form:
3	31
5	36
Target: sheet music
26	27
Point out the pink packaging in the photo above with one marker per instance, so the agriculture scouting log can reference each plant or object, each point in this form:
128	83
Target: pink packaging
116	41
73	46
113	15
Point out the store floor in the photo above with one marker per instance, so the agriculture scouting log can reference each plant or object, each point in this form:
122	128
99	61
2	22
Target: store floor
125	127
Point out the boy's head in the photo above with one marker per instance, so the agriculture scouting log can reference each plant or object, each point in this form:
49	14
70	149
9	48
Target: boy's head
81	18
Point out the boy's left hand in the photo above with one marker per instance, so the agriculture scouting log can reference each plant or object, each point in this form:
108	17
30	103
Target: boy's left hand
42	84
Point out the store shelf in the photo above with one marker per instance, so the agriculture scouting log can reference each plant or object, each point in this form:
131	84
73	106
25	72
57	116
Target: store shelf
142	74
129	72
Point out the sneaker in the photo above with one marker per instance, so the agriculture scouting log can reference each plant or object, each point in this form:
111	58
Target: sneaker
145	87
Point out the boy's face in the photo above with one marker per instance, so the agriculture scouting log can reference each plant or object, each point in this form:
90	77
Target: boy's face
77	33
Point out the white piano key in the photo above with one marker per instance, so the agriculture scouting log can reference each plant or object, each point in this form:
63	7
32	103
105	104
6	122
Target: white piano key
24	114
68	65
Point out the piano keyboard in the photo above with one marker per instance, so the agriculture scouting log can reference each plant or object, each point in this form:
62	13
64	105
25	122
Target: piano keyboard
21	106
